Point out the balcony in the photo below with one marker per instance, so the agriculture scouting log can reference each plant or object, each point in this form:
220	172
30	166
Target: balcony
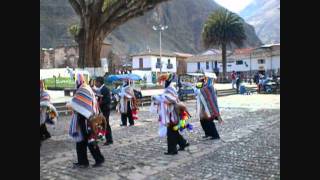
169	66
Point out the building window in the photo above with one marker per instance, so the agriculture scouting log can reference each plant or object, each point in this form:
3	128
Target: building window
140	63
207	65
158	64
261	61
239	62
198	65
169	66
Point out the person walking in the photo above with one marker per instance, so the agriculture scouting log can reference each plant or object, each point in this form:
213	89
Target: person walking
104	99
48	113
127	103
169	111
84	106
233	78
207	108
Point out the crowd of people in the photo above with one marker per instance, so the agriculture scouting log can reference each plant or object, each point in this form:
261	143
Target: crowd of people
91	110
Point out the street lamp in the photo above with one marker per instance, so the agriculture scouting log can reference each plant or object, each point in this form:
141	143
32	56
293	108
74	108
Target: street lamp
160	28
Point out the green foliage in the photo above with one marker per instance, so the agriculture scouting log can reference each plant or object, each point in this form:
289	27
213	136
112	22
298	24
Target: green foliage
61	82
74	29
223	27
107	4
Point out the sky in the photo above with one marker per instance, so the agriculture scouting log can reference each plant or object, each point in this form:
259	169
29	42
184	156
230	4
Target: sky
234	5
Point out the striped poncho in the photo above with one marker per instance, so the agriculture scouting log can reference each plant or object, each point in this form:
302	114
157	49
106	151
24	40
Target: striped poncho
84	103
207	104
170	111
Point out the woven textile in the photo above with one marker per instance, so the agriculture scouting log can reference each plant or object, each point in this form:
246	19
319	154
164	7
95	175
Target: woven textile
208	101
84	101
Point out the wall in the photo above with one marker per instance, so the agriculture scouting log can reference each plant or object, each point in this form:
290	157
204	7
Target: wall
164	61
193	67
150	62
49	73
66	56
47	59
147	62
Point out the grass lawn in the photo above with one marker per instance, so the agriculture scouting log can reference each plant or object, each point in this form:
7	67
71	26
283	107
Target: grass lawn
62	82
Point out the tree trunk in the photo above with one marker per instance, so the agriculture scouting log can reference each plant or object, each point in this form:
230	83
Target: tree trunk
90	39
89	49
224	63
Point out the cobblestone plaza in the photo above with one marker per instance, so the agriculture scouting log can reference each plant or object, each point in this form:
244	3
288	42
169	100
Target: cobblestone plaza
249	149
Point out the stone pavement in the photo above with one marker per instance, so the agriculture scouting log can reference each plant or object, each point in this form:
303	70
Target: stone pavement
250	148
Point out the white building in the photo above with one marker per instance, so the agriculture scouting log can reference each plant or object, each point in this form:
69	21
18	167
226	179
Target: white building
148	64
263	59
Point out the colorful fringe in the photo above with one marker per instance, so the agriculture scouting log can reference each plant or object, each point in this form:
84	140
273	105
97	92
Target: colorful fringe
74	130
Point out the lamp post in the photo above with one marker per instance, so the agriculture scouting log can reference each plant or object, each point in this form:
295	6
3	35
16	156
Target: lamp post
250	68
160	28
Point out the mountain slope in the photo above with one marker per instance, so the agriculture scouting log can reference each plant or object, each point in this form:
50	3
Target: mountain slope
184	18
264	15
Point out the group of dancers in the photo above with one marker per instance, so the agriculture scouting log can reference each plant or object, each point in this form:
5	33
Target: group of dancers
174	115
88	105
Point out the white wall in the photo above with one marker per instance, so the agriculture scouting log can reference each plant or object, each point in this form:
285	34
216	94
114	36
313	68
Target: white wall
147	62
49	73
164	61
150	62
135	62
193	66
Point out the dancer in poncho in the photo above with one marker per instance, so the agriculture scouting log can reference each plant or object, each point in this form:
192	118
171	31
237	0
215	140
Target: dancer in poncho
84	106
127	105
172	116
48	113
207	108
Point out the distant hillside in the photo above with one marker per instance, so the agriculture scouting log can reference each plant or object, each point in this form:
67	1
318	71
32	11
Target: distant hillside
184	18
264	15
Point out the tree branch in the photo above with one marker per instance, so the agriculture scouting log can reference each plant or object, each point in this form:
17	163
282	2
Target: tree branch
112	10
134	8
76	7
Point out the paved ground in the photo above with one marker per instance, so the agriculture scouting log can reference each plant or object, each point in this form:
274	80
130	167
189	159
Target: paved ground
250	148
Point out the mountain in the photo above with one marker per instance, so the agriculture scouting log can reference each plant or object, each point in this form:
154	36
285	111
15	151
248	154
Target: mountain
264	15
184	18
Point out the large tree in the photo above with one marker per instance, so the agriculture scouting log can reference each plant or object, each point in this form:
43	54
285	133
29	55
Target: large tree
222	29
98	18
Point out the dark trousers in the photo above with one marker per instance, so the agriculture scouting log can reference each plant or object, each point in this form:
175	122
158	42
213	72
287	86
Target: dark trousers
44	133
209	128
174	138
81	147
106	113
124	117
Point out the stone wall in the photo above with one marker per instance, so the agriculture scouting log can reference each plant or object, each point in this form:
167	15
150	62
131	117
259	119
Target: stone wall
63	56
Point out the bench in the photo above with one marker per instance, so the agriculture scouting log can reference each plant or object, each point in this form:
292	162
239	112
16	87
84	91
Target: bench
69	91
